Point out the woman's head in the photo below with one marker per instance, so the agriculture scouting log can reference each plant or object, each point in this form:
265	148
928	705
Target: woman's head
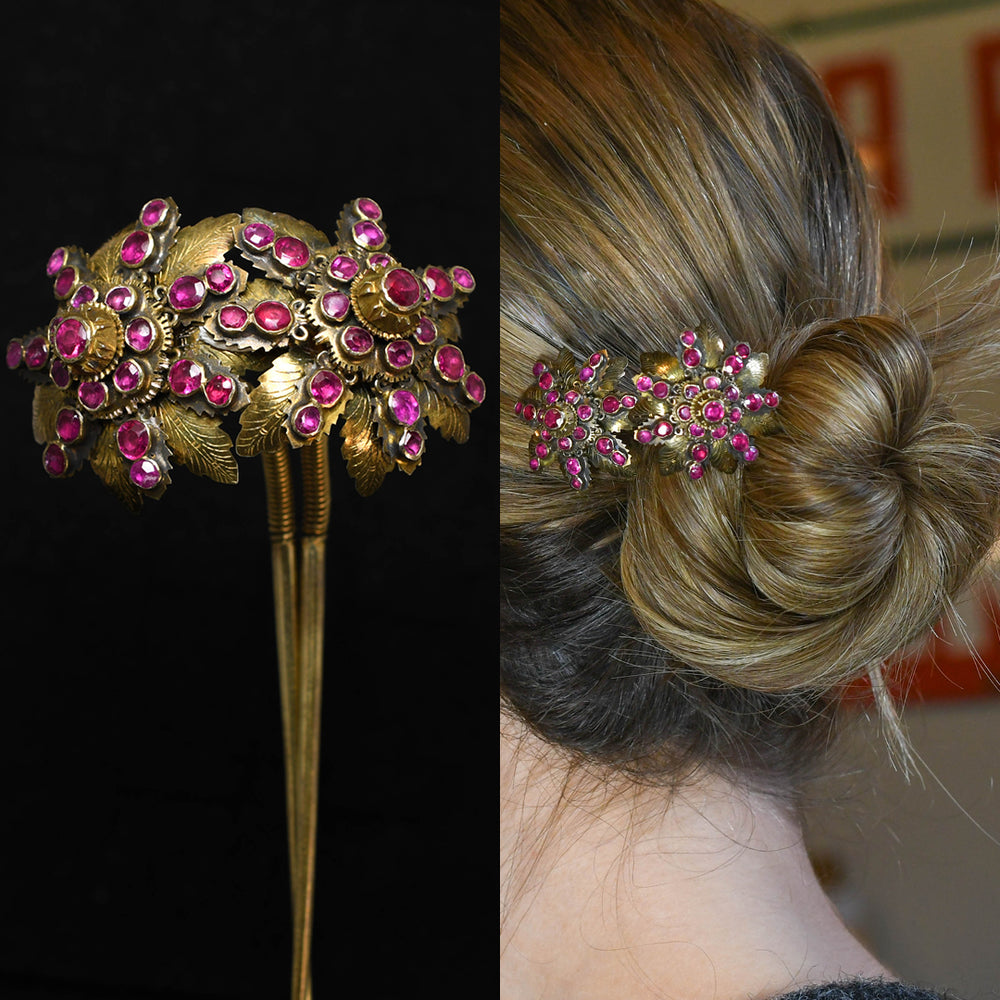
664	165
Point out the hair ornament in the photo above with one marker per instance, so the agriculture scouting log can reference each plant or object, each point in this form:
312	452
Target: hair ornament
702	405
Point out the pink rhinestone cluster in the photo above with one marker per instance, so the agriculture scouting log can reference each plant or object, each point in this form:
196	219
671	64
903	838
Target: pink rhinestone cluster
702	405
166	330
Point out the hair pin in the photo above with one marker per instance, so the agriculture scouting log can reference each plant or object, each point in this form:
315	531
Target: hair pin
701	406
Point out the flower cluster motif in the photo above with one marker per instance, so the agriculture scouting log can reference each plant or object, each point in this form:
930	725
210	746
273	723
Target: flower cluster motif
165	330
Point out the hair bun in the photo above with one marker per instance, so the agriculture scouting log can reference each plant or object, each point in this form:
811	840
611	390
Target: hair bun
846	540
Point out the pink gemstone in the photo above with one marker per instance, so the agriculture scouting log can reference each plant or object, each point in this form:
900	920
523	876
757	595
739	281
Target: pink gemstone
772	399
439	283
611	404
139	334
291	252
573	466
576	483
696	471
145	473
541	450
753	402
720	432
696	430
370	209
750	454
518	406
644	435
185	377
326	387
596	358
529	411
15	354
84	294
71	339
219	390
92	395
65	280
128	376
54	460
565	443
584	411
586	373
153	213
732	393
619	458
411	443
451	364
740	441
405	406
59	374
379	260
540	367
552	397
605	445
121	298
272	316
742	350
133	439
699	452
553	418
664	429
259	235
57	259
475	387
684	412
690	391
629	402
644	383
221	278
307	420
572	396
402	288
579	433
714	411
735	414
545	380
534	464
233	317
368	235
732	364
137	248
463	278
399	353
69	425
357	341
187	293
692	357
661	390
688	338
335	305
712	382
36	353
344	268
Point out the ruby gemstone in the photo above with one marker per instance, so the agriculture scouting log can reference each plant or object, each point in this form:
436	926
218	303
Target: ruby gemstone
272	316
92	395
740	441
426	332
59	374
69	425
335	305
153	213
439	283
65	282
412	444
402	288
185	377
399	353
36	353
139	334
121	298
714	411
84	294
450	363
344	268
357	341
379	260
233	317
307	420
57	260
219	390
463	278
133	439
128	376
405	406
187	293
145	473
692	357
54	460
15	353
326	387
258	235
137	248
368	235
220	277
71	339
369	208
291	252
475	387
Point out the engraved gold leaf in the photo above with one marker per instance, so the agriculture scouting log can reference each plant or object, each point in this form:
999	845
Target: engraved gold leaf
367	463
200	443
199	245
106	461
451	420
261	422
48	401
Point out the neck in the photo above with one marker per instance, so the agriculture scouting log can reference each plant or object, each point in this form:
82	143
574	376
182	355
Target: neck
705	891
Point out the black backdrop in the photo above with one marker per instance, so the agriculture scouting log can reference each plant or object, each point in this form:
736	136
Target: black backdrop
143	851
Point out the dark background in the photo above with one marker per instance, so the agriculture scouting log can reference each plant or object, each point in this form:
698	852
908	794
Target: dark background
143	843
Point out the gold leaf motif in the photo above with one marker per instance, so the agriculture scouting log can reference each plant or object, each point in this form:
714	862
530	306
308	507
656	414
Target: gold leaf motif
106	461
261	423
288	225
200	443
199	245
48	401
450	419
367	463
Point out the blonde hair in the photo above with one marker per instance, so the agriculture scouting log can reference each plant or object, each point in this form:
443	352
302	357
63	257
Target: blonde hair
665	164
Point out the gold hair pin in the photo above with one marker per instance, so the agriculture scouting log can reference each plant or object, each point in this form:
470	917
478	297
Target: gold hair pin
166	330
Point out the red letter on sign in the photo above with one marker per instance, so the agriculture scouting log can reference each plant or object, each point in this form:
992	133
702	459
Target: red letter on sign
986	67
863	95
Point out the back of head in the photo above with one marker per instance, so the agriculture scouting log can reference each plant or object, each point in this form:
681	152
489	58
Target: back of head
666	166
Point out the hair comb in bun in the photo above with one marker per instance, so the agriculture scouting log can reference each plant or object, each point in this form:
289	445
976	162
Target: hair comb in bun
167	329
702	405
